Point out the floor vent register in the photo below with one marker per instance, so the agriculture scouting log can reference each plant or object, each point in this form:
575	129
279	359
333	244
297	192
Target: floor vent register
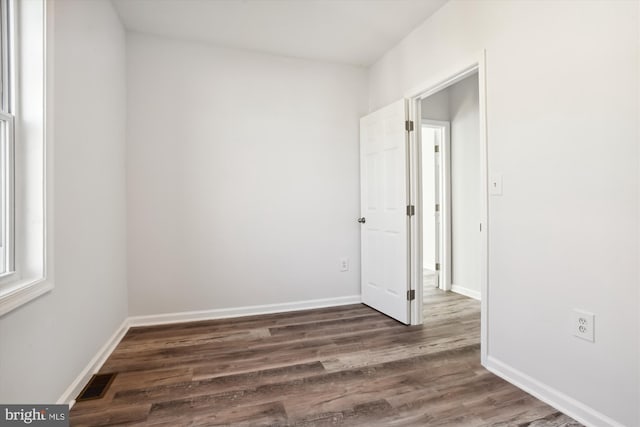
96	387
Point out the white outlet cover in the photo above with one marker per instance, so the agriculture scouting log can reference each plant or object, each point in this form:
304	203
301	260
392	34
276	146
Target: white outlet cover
583	325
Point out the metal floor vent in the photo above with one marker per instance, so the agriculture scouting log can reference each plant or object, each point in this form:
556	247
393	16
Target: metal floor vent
96	387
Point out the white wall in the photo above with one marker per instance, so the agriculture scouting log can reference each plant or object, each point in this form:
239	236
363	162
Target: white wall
638	113
465	185
46	343
242	177
436	106
562	111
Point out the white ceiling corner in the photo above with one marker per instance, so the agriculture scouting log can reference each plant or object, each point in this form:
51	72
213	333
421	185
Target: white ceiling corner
355	32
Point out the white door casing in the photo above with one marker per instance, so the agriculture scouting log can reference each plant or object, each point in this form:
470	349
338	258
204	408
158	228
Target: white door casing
442	161
428	139
384	196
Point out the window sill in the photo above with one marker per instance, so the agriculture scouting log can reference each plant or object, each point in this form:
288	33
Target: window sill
5	278
21	293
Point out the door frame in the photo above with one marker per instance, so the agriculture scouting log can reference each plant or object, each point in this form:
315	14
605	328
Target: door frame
474	64
444	190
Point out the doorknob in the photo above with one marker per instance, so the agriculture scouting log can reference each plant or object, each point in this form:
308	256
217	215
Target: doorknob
362	220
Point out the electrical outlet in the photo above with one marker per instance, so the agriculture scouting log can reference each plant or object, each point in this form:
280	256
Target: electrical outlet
583	325
344	264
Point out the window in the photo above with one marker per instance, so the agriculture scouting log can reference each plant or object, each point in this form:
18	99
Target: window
24	201
6	141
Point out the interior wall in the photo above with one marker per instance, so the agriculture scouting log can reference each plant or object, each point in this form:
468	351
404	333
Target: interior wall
47	343
436	106
562	114
464	115
243	184
638	152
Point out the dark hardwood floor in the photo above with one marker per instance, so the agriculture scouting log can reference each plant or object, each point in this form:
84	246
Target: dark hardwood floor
346	365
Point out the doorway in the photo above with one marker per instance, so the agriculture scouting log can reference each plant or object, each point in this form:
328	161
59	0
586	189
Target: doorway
391	221
451	189
435	183
440	103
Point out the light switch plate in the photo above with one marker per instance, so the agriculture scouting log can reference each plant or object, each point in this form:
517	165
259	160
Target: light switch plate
344	264
495	185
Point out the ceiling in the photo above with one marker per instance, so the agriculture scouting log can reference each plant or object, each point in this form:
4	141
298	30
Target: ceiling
356	32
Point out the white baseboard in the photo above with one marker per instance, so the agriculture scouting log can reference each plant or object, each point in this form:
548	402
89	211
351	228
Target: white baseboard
93	366
98	360
573	408
466	292
223	313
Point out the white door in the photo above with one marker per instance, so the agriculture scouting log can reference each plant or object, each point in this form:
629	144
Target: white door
384	195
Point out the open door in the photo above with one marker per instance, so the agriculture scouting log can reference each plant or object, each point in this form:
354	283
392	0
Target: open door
383	202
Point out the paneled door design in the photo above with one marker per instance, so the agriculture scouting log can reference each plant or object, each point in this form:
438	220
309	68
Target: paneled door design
383	189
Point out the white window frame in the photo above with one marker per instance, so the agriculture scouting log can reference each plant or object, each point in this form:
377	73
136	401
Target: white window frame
7	48
7	142
25	110
7	224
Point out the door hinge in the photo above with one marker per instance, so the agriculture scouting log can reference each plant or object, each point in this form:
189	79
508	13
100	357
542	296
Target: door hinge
436	148
411	295
437	266
437	207
411	210
408	125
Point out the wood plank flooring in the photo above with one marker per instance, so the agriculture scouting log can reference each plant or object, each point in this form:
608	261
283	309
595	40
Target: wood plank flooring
346	365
